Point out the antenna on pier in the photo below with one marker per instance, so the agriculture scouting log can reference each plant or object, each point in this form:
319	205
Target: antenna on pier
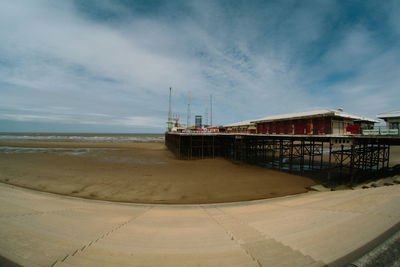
206	115
170	122
211	104
188	111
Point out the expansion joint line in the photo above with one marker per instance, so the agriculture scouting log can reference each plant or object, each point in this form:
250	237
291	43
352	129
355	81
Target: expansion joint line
228	231
264	251
86	246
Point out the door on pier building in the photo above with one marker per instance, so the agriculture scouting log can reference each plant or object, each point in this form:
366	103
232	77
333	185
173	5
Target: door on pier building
337	127
299	127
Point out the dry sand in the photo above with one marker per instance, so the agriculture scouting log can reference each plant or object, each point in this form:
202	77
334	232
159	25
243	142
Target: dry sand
141	173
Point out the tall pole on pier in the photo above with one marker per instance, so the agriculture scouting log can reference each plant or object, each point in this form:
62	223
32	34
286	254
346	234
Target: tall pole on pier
188	111
211	103
206	115
170	122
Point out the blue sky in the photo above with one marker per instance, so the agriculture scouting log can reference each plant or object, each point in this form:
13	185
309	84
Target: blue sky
106	66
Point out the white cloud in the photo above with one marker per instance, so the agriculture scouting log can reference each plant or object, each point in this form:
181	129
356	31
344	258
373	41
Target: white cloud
141	121
66	67
27	117
89	119
354	49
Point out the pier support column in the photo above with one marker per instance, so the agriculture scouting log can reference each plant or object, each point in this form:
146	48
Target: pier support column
330	161
352	157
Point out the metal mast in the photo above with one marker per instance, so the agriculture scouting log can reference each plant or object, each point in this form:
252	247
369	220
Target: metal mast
188	111
211	103
170	121
206	115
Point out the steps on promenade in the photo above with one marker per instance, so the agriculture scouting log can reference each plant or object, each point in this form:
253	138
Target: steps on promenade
324	226
266	251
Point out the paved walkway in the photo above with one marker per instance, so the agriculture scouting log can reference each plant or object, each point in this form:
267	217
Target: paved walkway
313	229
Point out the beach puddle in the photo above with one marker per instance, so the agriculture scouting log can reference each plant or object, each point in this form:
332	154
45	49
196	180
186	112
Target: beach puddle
101	154
133	160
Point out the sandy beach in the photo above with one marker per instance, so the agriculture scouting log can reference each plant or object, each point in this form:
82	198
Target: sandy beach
394	155
138	172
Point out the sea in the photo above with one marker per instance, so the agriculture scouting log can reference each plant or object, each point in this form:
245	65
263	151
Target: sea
84	137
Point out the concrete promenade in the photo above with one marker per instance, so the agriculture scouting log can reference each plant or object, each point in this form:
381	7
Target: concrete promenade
312	229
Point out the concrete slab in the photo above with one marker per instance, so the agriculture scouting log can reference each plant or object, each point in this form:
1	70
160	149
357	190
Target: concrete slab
312	229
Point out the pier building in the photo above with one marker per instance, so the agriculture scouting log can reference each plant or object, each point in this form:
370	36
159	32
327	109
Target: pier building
313	122
392	120
241	127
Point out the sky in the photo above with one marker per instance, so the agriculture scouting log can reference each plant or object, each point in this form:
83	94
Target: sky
106	66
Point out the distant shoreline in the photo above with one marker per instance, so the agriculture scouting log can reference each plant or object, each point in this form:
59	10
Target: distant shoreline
82	137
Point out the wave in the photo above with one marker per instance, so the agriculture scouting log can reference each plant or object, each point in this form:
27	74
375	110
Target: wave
96	138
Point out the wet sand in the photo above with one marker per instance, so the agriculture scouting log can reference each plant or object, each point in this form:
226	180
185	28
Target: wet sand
140	173
394	156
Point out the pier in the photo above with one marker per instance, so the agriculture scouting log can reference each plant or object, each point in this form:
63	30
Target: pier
332	157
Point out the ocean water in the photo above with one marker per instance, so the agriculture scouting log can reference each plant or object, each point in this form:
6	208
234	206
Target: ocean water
82	137
59	151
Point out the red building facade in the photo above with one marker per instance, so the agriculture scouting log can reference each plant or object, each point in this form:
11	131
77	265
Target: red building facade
314	122
317	122
315	126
